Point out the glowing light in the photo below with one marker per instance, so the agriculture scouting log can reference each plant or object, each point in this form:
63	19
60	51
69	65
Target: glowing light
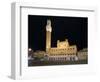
29	49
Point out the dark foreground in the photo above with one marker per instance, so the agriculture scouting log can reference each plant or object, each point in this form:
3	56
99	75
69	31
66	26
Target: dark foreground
48	63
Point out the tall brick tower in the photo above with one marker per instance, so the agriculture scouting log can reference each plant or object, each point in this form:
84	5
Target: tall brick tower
48	35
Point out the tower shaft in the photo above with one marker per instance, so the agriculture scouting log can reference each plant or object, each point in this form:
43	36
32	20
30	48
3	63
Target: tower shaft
48	40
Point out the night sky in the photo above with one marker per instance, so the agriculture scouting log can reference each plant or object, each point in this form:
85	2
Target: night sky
75	29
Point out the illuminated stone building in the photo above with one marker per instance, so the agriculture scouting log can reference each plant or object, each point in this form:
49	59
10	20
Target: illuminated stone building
63	51
83	54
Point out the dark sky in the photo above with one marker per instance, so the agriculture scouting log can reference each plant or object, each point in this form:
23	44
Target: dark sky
75	29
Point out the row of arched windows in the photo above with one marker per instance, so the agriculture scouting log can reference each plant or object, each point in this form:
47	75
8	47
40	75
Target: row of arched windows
63	54
55	50
63	58
59	58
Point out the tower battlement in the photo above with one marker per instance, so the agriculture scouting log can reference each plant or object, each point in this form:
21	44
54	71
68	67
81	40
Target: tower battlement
48	26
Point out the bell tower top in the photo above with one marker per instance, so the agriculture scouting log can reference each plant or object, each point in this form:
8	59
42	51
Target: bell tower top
49	22
48	26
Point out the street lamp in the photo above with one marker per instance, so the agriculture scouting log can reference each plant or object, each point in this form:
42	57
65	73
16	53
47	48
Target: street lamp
29	49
